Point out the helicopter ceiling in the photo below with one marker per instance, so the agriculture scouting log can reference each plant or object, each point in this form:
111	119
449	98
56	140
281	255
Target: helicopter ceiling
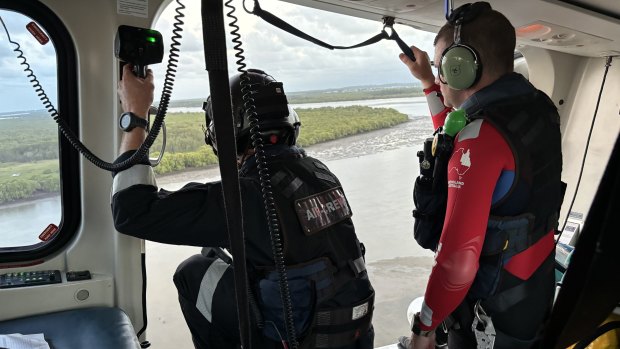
581	27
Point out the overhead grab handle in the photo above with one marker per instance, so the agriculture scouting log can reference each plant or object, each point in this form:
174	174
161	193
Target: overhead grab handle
388	22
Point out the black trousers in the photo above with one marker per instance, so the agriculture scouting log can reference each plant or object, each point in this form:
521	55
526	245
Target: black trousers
207	298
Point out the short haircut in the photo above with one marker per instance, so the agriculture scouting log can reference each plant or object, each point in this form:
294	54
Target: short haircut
493	37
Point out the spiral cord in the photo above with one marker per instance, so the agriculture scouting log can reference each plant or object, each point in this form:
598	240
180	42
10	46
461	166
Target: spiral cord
163	105
273	221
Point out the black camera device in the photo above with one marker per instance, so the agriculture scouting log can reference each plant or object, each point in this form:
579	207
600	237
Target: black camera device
138	47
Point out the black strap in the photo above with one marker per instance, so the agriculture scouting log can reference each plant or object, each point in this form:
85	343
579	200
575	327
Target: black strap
279	23
346	315
344	272
508	298
353	321
214	37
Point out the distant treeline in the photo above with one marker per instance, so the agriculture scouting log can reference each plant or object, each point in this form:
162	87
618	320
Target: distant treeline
353	95
332	95
29	151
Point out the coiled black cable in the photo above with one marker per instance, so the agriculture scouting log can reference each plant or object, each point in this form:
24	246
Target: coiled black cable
273	221
585	152
161	112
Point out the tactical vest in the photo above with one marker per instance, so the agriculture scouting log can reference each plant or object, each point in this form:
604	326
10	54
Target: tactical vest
322	253
529	211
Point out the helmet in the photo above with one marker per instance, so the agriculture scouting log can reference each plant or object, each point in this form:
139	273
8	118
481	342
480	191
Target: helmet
277	121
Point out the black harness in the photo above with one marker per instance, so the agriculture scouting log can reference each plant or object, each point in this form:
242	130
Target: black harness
322	256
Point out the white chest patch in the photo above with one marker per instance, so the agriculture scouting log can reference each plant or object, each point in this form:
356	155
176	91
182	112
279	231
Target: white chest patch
461	168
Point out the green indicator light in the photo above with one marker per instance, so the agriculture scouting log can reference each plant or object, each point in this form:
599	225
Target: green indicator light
150	39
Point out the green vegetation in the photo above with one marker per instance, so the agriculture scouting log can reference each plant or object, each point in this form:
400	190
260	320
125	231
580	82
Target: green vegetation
28	139
28	150
185	147
24	180
332	95
328	123
353	94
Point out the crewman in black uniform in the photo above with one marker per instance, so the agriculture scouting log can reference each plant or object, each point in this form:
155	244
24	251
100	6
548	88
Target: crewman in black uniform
332	298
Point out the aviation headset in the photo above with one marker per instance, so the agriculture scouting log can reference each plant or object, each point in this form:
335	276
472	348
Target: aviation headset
460	66
276	120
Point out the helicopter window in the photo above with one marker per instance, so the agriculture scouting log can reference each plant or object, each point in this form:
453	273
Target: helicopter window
39	205
521	65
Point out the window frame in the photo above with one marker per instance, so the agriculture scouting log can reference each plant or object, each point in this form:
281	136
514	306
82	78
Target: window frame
68	110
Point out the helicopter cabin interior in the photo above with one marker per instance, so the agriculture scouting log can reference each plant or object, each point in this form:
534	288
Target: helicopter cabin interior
83	284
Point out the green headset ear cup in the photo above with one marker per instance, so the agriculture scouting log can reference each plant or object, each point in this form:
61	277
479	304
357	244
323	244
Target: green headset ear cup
459	67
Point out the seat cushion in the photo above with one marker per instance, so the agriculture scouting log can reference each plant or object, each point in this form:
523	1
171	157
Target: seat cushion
93	328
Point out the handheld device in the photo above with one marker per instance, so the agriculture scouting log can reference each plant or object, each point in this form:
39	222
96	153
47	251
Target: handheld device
427	161
138	47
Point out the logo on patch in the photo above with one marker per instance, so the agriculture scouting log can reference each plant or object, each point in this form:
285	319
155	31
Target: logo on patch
464	162
461	168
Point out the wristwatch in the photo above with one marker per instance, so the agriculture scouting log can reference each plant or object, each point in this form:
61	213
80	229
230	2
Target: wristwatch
415	327
128	121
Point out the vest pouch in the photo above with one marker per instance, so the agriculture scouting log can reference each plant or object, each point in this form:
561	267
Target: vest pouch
429	213
344	327
505	237
302	289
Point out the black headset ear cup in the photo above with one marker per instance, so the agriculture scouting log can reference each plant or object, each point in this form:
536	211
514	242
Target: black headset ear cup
460	67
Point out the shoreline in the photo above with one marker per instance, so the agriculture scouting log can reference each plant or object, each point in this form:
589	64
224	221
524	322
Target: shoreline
35	197
200	172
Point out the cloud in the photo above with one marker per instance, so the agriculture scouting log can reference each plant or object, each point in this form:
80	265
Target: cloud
18	93
300	64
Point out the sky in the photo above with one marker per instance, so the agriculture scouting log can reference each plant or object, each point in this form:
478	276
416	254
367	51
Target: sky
299	64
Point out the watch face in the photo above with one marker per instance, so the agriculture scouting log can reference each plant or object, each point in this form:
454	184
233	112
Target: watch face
125	121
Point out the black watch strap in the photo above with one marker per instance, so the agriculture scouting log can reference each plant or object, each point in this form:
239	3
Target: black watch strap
415	327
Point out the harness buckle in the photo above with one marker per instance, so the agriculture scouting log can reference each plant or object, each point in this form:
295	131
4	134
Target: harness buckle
483	328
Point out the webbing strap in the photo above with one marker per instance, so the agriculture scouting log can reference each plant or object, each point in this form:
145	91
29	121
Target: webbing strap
358	265
214	38
352	323
345	315
506	299
292	187
279	23
341	277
